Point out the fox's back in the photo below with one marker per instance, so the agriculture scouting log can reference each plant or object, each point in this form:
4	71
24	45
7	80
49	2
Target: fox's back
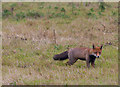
79	52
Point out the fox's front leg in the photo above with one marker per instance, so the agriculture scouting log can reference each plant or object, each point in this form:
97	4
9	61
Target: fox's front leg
93	64
87	61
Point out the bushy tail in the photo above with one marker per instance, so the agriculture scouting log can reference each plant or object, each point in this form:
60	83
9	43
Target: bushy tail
61	56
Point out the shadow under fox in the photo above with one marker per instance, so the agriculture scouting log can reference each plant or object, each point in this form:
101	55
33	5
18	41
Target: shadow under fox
83	53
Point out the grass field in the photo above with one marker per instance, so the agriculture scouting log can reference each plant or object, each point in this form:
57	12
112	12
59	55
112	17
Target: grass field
32	33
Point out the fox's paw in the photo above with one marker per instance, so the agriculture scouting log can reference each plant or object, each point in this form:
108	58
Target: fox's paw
68	63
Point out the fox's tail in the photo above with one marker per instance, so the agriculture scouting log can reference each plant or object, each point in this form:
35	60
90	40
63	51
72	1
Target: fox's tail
61	56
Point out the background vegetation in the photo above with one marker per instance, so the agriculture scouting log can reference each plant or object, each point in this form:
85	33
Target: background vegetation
33	32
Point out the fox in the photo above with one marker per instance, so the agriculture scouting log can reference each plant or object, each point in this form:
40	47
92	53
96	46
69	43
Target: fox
83	53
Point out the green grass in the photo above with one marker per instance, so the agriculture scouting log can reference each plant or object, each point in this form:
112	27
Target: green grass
44	70
28	43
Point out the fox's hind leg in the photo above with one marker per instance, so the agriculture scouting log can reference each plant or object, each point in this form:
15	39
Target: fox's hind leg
72	59
71	62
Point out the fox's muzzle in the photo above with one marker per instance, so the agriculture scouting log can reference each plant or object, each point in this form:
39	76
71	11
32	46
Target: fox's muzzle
97	56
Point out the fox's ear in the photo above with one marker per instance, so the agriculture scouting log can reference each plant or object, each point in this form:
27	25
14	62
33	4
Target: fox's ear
101	47
93	46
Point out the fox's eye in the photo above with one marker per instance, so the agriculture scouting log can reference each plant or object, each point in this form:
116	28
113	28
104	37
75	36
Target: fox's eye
99	52
95	52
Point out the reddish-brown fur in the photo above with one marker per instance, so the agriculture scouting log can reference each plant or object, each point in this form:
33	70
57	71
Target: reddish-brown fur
88	54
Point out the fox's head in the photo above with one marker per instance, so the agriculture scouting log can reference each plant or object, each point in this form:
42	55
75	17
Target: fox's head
97	51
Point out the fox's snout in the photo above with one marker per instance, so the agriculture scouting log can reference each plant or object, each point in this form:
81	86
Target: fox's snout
97	56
